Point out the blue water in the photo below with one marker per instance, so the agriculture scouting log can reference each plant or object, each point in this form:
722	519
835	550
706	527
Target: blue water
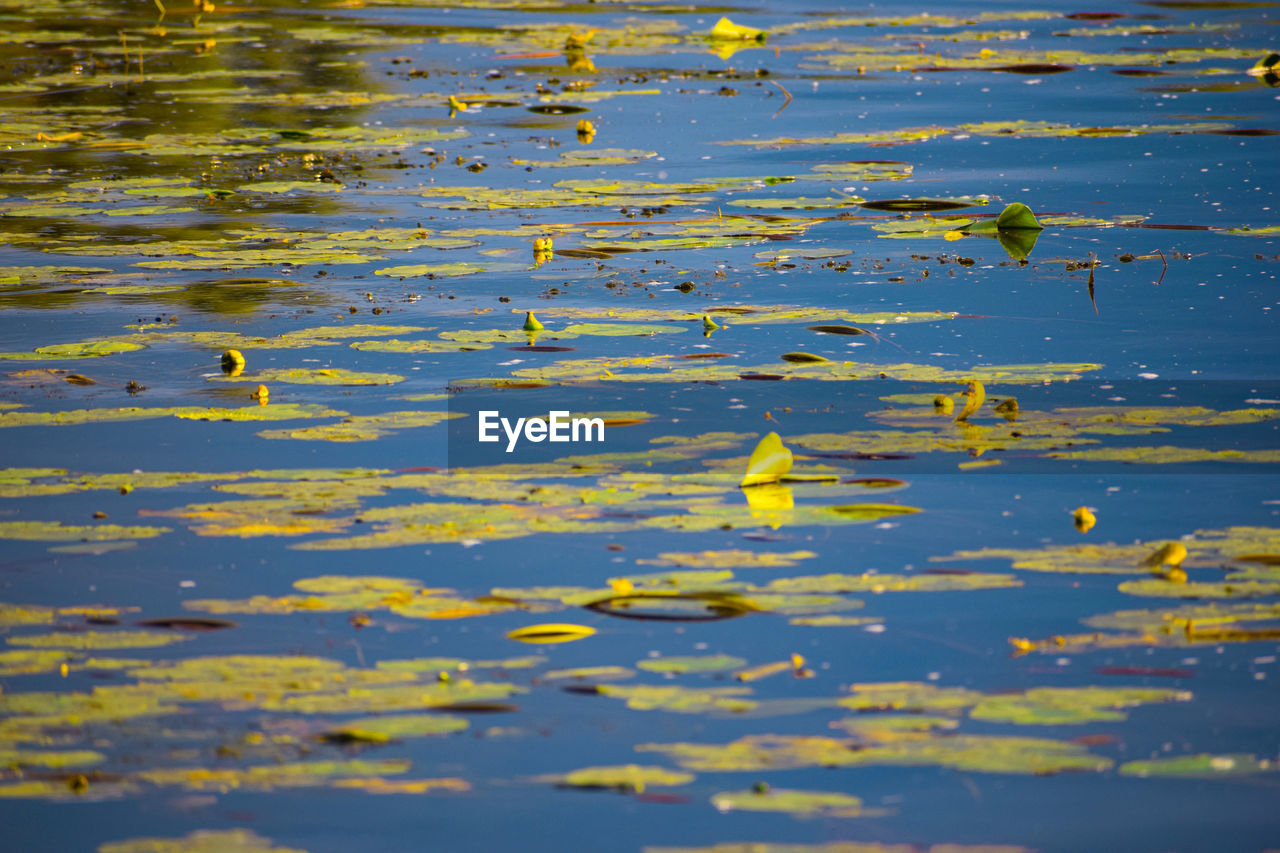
1202	332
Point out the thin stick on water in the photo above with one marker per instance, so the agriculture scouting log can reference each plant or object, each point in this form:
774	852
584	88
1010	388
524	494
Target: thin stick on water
785	103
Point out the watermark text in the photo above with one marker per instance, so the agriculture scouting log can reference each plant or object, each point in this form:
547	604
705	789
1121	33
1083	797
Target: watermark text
557	426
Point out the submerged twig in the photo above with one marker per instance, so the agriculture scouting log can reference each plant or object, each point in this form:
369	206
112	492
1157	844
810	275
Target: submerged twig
1166	266
785	103
1093	262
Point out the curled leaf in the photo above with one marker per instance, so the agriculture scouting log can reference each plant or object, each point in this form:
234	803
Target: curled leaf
769	461
727	29
551	632
1267	66
974	396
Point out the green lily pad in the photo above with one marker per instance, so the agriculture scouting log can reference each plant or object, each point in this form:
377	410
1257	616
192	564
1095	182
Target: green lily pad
627	777
691	663
394	727
1202	766
99	640
800	803
200	841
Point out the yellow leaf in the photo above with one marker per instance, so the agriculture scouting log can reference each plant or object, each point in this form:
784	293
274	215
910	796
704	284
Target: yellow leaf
768	497
577	41
551	632
1269	64
768	462
1171	554
70	136
727	29
974	396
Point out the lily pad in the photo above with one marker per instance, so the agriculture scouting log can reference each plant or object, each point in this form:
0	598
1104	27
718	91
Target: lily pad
800	803
627	777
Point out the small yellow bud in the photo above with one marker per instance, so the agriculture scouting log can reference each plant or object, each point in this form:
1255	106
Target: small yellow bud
1084	519
232	362
1007	407
1171	554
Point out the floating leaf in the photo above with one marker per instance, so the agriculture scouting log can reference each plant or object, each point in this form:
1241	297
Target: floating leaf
393	727
879	583
287	187
1163	588
319	376
1202	766
98	640
691	663
732	558
200	841
977	753
1066	705
379	785
56	531
450	270
588	673
681	700
627	777
22	662
835	621
552	632
769	461
801	803
87	349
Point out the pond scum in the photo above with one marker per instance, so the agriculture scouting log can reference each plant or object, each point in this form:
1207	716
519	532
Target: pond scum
882	554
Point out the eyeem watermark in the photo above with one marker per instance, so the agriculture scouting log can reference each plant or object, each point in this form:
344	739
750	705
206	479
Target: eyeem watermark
557	426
